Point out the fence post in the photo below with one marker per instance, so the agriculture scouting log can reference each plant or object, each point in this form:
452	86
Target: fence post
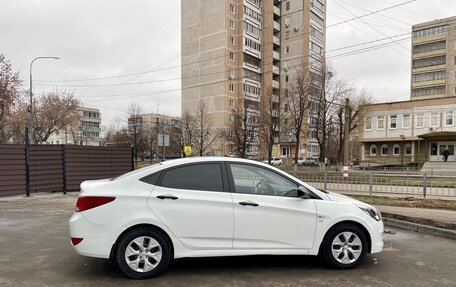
64	169
27	164
424	185
371	179
132	158
325	178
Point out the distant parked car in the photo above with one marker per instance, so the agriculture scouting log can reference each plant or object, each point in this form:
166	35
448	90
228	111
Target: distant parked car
275	161
308	161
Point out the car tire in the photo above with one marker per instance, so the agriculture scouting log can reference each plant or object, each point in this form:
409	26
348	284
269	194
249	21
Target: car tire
156	250
344	246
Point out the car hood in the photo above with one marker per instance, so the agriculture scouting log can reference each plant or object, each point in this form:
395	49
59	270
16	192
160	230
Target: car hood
333	196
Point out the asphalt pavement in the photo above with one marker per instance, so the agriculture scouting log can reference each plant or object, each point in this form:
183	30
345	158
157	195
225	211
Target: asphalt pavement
35	251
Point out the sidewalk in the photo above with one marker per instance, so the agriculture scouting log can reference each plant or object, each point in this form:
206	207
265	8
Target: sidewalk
436	222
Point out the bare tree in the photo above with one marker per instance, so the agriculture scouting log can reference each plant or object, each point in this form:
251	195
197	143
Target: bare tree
270	121
54	111
242	131
116	133
10	89
357	98
328	92
188	130
135	127
297	104
204	130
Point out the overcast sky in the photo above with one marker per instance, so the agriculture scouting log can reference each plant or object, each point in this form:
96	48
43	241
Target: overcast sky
99	39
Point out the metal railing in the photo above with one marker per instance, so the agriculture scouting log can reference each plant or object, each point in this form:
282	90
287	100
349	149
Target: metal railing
405	183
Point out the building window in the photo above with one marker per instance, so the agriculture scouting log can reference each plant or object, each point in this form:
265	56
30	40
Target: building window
396	149
430	32
368	123
286	78
384	149
231	73
380	122
231	87
406	121
287	5
231	56
373	150
439	90
449	118
231	118
231	103
408	149
232	24
232	40
393	122
434	119
419	120
232	8
316	48
429	47
287	49
317	19
287	21
252	29
428	62
432	76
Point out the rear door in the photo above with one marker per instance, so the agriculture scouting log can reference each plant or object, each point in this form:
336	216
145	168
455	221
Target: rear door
194	202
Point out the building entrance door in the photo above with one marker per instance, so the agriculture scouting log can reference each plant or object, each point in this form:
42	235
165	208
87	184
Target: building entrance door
437	150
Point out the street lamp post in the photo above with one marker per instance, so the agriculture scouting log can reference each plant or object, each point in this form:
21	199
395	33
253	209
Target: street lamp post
402	149
30	108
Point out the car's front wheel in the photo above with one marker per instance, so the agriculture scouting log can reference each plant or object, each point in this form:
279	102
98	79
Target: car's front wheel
344	246
143	253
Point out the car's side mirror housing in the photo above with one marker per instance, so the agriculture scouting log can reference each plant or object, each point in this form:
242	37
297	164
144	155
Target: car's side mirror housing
303	192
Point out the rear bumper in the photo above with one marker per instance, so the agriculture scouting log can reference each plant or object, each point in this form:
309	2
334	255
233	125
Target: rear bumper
97	240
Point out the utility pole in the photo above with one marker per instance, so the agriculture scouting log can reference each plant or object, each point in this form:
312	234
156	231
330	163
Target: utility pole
346	131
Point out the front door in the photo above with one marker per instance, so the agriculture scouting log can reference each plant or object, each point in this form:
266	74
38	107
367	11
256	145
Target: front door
437	150
267	213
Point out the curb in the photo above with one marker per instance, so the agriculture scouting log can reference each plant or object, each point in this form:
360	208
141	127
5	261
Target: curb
420	228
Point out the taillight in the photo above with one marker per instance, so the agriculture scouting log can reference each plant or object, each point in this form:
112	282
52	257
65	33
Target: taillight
88	202
75	241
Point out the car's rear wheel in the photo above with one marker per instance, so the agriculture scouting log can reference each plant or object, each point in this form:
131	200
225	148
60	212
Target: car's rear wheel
143	253
344	246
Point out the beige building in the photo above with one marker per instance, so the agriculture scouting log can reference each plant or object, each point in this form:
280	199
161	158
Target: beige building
434	59
86	132
234	52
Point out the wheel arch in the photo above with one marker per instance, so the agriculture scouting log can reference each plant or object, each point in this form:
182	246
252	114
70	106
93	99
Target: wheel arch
147	225
352	222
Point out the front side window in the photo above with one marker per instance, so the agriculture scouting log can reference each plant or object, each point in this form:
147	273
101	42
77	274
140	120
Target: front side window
205	177
256	180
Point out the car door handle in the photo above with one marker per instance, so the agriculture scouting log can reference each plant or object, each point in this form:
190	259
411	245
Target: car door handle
248	203
167	196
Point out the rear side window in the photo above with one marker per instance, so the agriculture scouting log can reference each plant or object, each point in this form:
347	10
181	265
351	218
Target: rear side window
152	178
206	177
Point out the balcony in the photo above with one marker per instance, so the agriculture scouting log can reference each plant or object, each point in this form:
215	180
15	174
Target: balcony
277	11
276	26
276	70
275	84
276	55
275	99
276	40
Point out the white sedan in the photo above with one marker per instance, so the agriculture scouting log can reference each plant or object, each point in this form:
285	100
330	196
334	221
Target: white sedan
215	206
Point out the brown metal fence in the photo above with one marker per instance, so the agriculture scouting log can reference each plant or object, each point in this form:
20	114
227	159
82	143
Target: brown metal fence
58	168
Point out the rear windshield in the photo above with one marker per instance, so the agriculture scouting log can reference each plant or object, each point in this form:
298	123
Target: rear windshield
133	172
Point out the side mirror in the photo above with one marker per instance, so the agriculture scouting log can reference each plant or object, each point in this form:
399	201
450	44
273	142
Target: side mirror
303	192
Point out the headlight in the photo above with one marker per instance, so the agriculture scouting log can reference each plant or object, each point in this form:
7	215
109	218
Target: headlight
373	212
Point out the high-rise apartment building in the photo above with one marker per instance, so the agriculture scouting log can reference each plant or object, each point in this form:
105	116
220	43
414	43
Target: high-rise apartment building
434	59
235	52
